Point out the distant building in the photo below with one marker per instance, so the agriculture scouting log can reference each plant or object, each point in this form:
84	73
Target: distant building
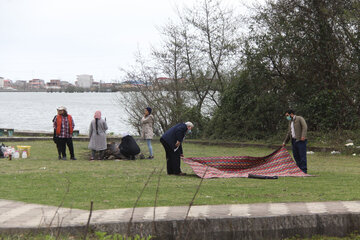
36	84
84	80
96	84
166	81
117	86
107	85
132	84
53	84
20	84
7	84
65	84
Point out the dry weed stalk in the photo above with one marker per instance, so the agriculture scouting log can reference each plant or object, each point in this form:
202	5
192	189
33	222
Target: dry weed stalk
156	198
137	200
88	222
190	205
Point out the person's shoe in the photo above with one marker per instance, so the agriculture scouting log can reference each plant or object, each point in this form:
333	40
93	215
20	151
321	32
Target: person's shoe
150	157
59	157
73	158
181	174
63	158
91	159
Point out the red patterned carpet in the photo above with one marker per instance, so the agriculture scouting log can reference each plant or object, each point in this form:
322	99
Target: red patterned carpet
279	163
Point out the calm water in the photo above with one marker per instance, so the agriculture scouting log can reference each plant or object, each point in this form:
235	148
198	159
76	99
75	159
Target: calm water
35	111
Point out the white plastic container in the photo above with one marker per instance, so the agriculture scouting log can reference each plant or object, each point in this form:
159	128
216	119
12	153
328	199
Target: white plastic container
24	154
16	154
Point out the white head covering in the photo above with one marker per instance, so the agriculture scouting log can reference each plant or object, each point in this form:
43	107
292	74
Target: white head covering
61	108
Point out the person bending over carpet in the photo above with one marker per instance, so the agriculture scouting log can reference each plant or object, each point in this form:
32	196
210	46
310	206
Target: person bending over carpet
171	141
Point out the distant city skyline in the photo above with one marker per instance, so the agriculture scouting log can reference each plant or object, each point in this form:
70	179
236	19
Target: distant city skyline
60	39
56	79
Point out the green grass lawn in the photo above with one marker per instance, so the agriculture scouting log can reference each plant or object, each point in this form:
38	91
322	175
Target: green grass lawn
116	184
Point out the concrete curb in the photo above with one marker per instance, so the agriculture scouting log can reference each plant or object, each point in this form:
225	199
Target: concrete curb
239	221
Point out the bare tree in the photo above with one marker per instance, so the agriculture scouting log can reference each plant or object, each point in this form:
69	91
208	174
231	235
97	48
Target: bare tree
164	94
212	34
197	52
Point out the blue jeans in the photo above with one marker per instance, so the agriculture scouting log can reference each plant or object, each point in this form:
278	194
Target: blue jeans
299	152
148	141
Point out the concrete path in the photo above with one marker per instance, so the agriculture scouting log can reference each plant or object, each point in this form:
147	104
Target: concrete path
248	221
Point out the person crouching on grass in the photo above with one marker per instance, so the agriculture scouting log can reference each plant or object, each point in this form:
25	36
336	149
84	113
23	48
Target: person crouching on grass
172	142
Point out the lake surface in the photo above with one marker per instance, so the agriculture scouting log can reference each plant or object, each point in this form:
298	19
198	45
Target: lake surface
34	111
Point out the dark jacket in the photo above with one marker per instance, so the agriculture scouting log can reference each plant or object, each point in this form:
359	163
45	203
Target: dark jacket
129	147
174	134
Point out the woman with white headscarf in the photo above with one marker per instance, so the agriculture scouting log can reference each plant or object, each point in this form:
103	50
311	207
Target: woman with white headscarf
97	134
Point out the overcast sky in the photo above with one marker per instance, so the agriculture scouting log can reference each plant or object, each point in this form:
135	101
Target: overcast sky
59	39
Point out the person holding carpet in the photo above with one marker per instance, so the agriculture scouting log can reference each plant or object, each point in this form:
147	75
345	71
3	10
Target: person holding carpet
297	133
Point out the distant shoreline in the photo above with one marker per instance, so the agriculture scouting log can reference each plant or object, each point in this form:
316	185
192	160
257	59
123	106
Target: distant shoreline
47	91
56	91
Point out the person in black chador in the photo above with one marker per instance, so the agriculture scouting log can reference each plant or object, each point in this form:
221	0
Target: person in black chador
128	146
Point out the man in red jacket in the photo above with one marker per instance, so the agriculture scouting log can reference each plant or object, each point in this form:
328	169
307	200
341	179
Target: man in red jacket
64	126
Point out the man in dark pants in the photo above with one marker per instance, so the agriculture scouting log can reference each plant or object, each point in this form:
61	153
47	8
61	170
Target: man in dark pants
64	126
297	133
171	141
